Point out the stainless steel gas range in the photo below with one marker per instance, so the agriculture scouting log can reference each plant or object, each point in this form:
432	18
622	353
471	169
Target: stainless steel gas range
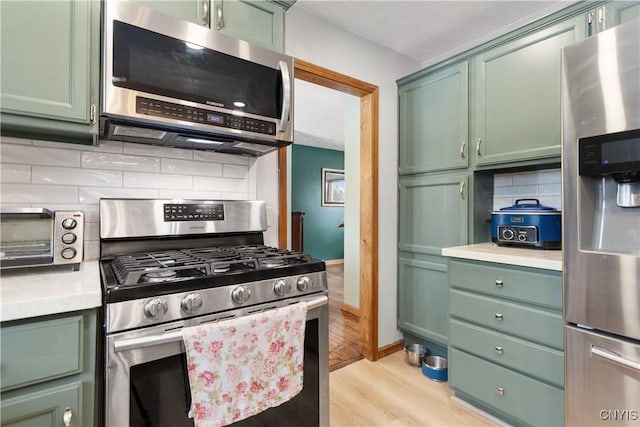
169	264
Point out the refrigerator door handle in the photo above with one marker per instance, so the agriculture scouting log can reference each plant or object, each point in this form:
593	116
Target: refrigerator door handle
614	358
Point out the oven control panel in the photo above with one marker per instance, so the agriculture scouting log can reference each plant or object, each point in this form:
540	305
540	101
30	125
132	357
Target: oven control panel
194	212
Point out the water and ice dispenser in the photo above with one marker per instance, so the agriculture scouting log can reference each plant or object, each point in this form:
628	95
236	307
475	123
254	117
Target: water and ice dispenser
609	192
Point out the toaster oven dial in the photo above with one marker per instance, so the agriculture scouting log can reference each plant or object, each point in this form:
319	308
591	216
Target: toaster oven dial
191	303
155	308
68	238
281	287
69	224
68	253
241	294
304	284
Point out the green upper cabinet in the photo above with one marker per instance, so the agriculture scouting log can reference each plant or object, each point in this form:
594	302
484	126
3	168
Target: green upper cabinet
434	123
196	11
517	101
49	67
258	22
612	14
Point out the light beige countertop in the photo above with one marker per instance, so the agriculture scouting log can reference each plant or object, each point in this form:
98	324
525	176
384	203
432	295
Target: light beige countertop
536	258
41	291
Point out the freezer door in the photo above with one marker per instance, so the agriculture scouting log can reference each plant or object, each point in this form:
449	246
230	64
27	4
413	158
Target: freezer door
602	379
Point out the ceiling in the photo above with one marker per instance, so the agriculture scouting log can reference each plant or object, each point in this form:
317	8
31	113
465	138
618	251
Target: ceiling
424	30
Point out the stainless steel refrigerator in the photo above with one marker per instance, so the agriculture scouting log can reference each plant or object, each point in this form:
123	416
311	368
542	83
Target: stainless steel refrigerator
601	227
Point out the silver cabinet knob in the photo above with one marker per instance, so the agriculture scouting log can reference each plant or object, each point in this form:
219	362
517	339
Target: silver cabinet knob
281	287
69	224
304	284
240	294
68	253
499	316
155	308
500	391
191	303
499	350
68	238
499	283
66	417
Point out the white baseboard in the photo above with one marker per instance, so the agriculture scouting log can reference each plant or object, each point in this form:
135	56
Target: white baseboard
333	261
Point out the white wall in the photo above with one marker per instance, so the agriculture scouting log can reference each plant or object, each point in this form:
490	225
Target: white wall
70	176
326	45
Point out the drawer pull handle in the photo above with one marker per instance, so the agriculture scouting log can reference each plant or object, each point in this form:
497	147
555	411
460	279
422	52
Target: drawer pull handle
500	391
66	417
499	316
499	349
499	283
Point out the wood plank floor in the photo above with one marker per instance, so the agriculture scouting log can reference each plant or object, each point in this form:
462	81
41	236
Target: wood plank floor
344	334
390	392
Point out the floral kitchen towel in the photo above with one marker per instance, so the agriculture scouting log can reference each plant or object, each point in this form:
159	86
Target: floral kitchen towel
240	367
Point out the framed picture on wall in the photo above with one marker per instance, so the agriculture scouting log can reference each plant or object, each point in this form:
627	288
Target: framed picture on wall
332	187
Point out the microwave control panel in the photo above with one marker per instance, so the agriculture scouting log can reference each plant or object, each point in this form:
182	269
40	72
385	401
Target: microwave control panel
170	110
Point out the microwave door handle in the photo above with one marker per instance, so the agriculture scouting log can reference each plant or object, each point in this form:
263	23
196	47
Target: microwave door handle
286	95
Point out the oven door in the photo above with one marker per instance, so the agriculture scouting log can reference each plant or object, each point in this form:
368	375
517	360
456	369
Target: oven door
146	383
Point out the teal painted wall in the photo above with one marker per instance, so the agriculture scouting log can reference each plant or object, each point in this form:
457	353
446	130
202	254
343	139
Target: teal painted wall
322	237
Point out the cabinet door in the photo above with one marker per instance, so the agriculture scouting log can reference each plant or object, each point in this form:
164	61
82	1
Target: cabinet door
258	22
44	408
46	54
423	299
196	11
434	121
616	13
433	213
518	95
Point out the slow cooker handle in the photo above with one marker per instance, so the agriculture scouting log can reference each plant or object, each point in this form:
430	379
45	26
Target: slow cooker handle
522	200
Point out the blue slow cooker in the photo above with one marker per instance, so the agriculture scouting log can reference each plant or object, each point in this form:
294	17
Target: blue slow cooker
529	224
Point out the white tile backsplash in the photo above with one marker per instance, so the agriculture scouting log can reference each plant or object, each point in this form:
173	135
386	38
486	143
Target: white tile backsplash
74	177
543	185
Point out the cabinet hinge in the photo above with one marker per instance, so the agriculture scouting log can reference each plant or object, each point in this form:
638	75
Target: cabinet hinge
92	113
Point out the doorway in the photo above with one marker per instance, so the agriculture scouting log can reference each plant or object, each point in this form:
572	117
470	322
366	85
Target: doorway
368	95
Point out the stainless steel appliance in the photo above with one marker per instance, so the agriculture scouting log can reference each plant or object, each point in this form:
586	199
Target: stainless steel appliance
38	237
171	82
168	264
601	259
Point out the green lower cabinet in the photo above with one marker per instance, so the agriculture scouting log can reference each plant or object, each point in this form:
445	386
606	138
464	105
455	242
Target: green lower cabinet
49	59
518	398
48	370
423	294
517	104
506	349
45	408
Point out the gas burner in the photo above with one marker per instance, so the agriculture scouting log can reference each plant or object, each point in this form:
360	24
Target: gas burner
273	262
159	276
221	267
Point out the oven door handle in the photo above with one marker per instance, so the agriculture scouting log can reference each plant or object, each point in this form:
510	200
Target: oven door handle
175	336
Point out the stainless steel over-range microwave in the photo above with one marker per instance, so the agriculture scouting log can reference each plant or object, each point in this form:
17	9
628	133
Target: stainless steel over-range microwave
170	82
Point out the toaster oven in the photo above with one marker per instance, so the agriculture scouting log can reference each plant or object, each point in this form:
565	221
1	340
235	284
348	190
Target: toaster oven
38	237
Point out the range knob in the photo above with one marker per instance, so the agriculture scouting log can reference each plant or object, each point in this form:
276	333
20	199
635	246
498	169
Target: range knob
69	223
281	287
155	308
68	238
68	253
304	284
191	303
241	294
508	234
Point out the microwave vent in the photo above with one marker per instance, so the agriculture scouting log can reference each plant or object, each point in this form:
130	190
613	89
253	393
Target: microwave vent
137	132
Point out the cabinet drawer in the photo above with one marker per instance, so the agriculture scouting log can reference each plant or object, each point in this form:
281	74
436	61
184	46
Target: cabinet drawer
538	361
44	408
535	286
516	395
539	325
41	351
